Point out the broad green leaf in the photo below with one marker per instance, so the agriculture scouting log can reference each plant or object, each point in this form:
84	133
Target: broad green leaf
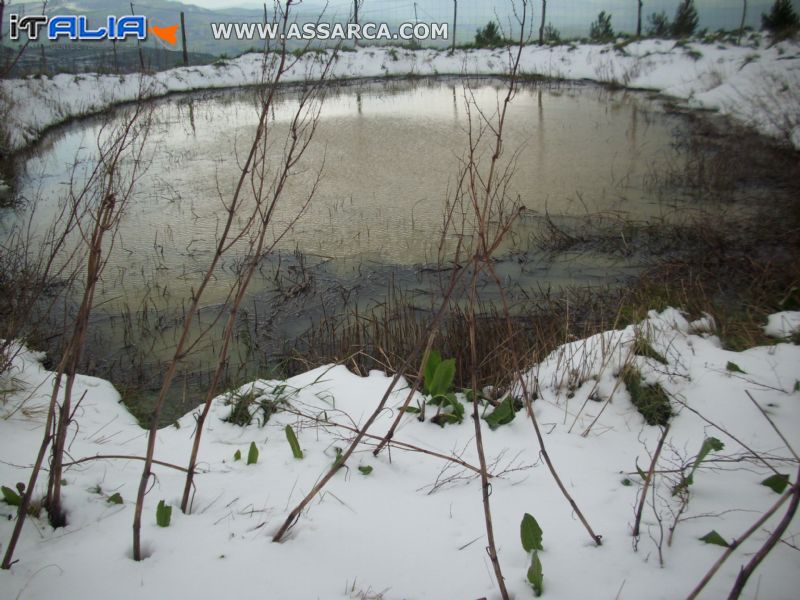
530	533
10	496
436	400
733	367
163	514
434	358
710	444
365	469
443	378
455	404
712	537
777	483
114	498
293	443
535	575
237	455
502	415
252	454
412	410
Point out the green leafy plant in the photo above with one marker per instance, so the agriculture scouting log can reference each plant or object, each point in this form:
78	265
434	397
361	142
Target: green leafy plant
237	455
438	376
531	538
535	575
777	483
252	454
337	455
530	534
250	405
451	410
712	537
365	469
14	498
240	408
503	413
293	443
163	514
732	367
10	496
114	498
710	444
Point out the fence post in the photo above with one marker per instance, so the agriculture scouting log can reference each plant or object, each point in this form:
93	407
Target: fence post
183	40
139	46
455	24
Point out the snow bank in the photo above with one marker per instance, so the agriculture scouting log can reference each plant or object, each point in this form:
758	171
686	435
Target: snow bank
413	527
783	324
758	86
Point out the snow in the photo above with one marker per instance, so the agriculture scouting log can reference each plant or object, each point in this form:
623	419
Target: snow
783	324
754	83
413	528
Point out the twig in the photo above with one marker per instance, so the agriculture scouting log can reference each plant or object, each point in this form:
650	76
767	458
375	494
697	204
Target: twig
772	423
738	542
648	480
755	454
123	457
771	542
411	392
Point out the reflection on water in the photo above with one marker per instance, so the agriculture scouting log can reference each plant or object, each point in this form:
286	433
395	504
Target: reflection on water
389	156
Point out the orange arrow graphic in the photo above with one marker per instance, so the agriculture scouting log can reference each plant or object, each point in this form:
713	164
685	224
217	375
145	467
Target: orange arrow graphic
165	33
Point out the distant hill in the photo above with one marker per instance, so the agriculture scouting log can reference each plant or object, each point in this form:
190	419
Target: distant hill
162	13
97	58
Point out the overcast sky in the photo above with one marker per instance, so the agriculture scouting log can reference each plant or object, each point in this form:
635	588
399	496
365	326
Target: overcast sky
591	6
564	14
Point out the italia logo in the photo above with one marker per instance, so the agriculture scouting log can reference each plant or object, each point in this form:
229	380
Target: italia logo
76	27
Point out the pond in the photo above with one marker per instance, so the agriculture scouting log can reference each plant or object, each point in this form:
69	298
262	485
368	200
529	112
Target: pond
389	155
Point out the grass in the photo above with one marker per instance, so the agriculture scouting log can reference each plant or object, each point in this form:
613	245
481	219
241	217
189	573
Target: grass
379	337
253	405
650	400
642	347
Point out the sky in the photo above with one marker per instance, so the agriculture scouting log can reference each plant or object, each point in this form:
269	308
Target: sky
565	14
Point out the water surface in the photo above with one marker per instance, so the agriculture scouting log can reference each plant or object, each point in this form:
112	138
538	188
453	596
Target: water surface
389	156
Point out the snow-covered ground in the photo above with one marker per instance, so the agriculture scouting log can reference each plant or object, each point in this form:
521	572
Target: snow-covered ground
413	527
757	84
